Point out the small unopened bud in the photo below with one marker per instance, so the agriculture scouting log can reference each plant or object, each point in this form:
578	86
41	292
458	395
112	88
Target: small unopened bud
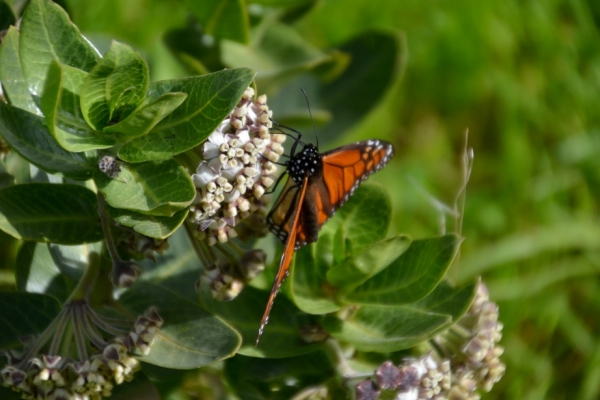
124	274
367	390
388	376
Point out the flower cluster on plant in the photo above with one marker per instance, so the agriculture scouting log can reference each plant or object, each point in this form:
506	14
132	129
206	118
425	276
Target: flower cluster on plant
465	360
238	168
60	376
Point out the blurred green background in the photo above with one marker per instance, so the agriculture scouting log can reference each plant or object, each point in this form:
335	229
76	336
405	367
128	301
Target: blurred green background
523	76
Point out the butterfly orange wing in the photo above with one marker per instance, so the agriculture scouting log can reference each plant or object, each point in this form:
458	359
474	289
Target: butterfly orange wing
346	167
286	209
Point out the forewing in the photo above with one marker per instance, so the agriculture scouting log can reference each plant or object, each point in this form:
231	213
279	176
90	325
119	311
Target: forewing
345	167
286	258
281	217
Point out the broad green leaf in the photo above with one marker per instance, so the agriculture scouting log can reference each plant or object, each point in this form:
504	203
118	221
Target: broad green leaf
410	277
363	220
309	289
37	273
159	188
355	270
223	19
197	55
190	337
383	329
392	328
64	214
277	52
139	388
254	378
47	34
7	17
25	314
377	58
142	120
72	261
27	135
210	99
114	87
446	299
176	269
281	337
149	225
11	73
60	104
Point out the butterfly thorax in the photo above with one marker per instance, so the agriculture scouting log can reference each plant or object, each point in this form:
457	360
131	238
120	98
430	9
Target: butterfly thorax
306	163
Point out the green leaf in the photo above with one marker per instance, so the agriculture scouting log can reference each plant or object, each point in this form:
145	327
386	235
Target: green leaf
354	271
158	188
142	120
43	212
7	17
149	225
115	86
223	19
377	58
363	220
254	378
11	73
410	277
281	337
446	299
46	35
190	337
210	99
37	273
72	261
384	329
197	55
391	328
60	104
25	314
277	52
27	135
308	286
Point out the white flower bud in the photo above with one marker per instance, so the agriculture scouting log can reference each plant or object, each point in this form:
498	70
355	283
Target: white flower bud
259	191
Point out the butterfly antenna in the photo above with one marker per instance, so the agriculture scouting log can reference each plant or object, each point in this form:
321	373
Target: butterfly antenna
311	116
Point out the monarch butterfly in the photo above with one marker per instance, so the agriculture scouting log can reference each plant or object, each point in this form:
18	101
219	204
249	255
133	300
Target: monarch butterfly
318	184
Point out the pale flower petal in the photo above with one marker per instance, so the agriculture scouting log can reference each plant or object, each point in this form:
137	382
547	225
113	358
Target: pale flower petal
204	174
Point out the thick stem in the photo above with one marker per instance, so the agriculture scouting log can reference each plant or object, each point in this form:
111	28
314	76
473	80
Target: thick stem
108	237
200	252
86	283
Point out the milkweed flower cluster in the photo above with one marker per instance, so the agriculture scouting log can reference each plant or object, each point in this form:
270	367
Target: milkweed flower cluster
59	377
238	168
466	360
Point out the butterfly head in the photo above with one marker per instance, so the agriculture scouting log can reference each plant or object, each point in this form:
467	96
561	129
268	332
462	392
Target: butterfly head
306	163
